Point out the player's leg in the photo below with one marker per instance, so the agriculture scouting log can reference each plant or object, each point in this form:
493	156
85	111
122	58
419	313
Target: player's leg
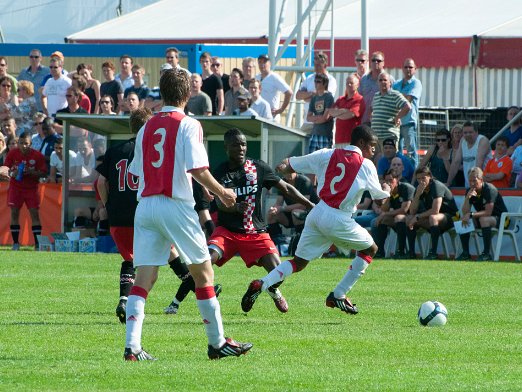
35	224
124	238
437	224
486	223
187	282
269	262
15	227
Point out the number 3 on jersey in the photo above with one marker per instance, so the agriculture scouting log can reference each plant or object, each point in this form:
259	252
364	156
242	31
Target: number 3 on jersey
125	178
159	147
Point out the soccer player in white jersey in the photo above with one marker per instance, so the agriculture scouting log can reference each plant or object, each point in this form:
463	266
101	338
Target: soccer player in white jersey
169	152
343	175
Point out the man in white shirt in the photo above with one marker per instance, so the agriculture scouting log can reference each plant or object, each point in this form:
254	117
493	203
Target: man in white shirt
55	89
258	103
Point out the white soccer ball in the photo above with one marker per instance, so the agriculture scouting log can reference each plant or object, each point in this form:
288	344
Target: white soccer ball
432	314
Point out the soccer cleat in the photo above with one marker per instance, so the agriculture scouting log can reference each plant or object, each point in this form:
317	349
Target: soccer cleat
484	257
279	300
172	308
121	310
218	289
341	303
141	355
16	247
230	348
463	257
248	300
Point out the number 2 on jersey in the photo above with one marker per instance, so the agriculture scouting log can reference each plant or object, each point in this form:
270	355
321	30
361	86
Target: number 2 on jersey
337	178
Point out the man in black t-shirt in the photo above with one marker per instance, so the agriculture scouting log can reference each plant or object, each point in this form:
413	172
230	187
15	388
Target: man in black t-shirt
489	206
432	208
241	228
394	211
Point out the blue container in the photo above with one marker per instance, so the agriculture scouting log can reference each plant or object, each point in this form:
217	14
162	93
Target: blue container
20	174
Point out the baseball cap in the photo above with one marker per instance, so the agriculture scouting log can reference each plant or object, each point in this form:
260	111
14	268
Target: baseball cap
263	57
243	94
165	66
389	142
58	54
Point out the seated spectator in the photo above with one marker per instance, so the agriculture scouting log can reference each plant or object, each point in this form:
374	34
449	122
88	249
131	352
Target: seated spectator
99	145
24	112
393	211
9	127
107	106
516	176
56	163
438	158
243	104
514	132
85	162
80	83
432	208
488	204
92	89
11	142
372	210
257	102
498	170
281	212
38	135
456	136
50	138
389	151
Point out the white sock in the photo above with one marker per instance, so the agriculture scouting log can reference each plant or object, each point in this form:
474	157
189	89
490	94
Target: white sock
351	277
211	313
134	323
278	274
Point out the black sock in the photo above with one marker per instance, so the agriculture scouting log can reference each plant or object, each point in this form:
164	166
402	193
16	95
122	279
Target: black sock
401	235
209	227
275	286
379	234
103	227
412	236
126	278
15	232
464	240
435	234
486	236
37	230
187	282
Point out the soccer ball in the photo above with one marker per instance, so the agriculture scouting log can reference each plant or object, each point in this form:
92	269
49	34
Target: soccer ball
432	314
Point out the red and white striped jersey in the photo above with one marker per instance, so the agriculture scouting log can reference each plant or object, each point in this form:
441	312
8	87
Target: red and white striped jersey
168	147
343	174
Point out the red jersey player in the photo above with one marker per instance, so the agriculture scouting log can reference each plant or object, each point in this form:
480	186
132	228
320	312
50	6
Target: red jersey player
169	152
27	166
343	176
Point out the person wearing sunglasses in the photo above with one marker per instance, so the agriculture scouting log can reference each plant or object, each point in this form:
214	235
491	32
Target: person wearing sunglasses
35	73
55	88
107	106
439	156
361	62
8	100
212	84
3	72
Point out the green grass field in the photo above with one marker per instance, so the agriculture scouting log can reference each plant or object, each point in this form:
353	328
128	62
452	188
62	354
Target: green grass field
58	330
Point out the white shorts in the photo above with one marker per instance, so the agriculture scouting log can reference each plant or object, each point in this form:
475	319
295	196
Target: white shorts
161	221
325	226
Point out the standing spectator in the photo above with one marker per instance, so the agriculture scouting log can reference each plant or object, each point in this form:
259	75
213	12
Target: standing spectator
24	112
107	105
11	142
321	102
369	84
217	68
439	156
125	75
489	206
249	70
516	176
331	219
51	136
9	127
498	169
456	137
271	86
474	151
92	89
165	215
411	88
172	57
38	135
258	103
80	83
514	133
139	87
393	211
111	86
74	97
8	100
388	107
199	103
307	90
361	62
35	74
56	163
3	72
236	88
432	208
212	84
389	152
27	166
132	102
55	89
347	111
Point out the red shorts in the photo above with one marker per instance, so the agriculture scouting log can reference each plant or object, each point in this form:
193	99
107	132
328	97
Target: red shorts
123	236
16	197
251	247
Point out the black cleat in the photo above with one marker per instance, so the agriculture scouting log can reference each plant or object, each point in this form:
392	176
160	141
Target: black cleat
230	348
218	289
341	303
141	355
248	300
121	310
